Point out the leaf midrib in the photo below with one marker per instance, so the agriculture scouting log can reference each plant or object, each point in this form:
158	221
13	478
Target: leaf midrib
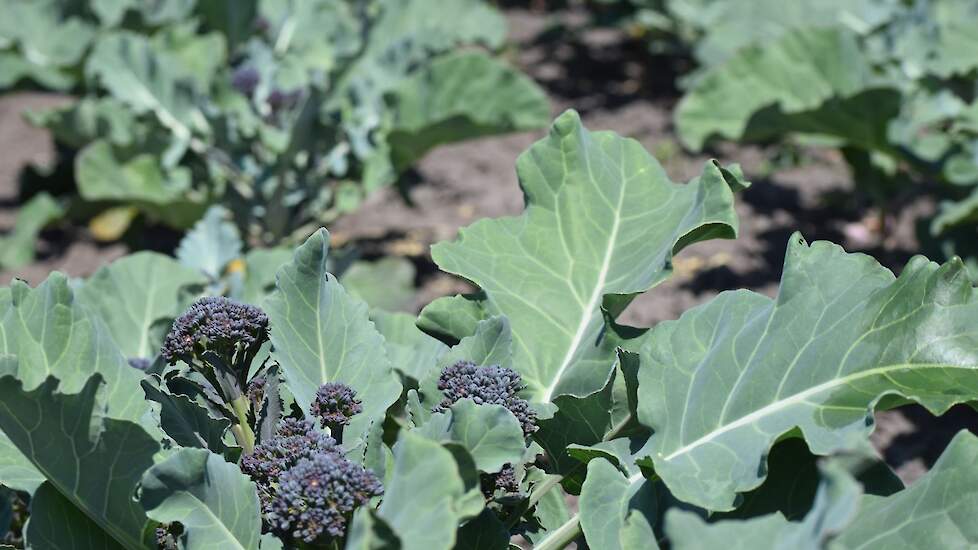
799	397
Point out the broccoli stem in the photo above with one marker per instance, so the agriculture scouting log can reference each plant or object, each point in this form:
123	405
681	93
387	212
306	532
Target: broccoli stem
242	430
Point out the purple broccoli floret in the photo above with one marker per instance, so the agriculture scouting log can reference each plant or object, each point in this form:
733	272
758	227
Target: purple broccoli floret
489	385
316	498
335	404
216	324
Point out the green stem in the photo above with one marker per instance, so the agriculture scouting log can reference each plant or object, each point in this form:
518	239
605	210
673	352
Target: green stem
562	536
242	430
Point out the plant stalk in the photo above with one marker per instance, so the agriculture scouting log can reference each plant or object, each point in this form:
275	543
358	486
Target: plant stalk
242	431
562	536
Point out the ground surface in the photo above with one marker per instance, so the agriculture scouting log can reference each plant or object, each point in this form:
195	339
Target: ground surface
614	85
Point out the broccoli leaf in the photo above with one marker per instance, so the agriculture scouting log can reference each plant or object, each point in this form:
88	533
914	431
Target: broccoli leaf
422	495
935	508
216	504
135	293
602	218
489	433
17	248
457	97
323	334
411	352
835	505
728	379
813	80
94	462
616	508
212	243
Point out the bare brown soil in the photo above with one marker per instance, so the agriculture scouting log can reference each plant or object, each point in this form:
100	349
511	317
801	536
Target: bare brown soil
615	85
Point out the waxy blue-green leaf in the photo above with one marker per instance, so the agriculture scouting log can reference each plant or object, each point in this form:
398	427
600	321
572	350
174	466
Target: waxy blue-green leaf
602	218
836	504
615	508
133	294
937	511
461	96
94	462
213	242
719	386
423	494
55	523
17	248
128	67
818	76
323	334
489	433
216	504
53	334
411	352
186	422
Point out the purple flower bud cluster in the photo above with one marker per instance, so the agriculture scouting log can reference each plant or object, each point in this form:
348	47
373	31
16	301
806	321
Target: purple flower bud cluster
217	324
308	490
489	385
505	480
245	79
140	363
335	404
318	495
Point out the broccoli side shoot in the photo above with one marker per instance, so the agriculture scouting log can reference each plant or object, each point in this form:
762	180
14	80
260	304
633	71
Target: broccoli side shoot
335	404
489	385
316	497
308	490
235	332
219	339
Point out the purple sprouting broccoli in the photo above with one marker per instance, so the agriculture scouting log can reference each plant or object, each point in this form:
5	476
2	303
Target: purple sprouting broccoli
231	330
489	385
335	404
245	79
219	339
316	498
506	481
307	488
256	391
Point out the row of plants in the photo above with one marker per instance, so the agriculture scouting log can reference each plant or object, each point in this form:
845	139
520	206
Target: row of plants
890	83
140	410
287	113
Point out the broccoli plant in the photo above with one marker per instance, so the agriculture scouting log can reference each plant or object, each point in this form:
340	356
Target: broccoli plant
289	112
521	414
901	108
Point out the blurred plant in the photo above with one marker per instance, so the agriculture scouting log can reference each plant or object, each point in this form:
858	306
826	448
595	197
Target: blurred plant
287	112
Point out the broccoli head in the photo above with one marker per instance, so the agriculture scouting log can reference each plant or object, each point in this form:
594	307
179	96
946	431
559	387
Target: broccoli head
316	498
293	441
489	385
140	363
334	406
231	330
506	481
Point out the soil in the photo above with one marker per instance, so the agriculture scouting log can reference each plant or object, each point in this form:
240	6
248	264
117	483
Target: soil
615	84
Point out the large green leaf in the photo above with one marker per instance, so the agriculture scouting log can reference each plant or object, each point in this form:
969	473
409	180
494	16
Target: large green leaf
133	294
131	70
212	243
934	512
814	80
461	96
216	504
411	352
602	218
489	433
57	523
322	334
103	175
616	508
94	462
937	511
835	505
17	248
421	497
728	379
52	334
